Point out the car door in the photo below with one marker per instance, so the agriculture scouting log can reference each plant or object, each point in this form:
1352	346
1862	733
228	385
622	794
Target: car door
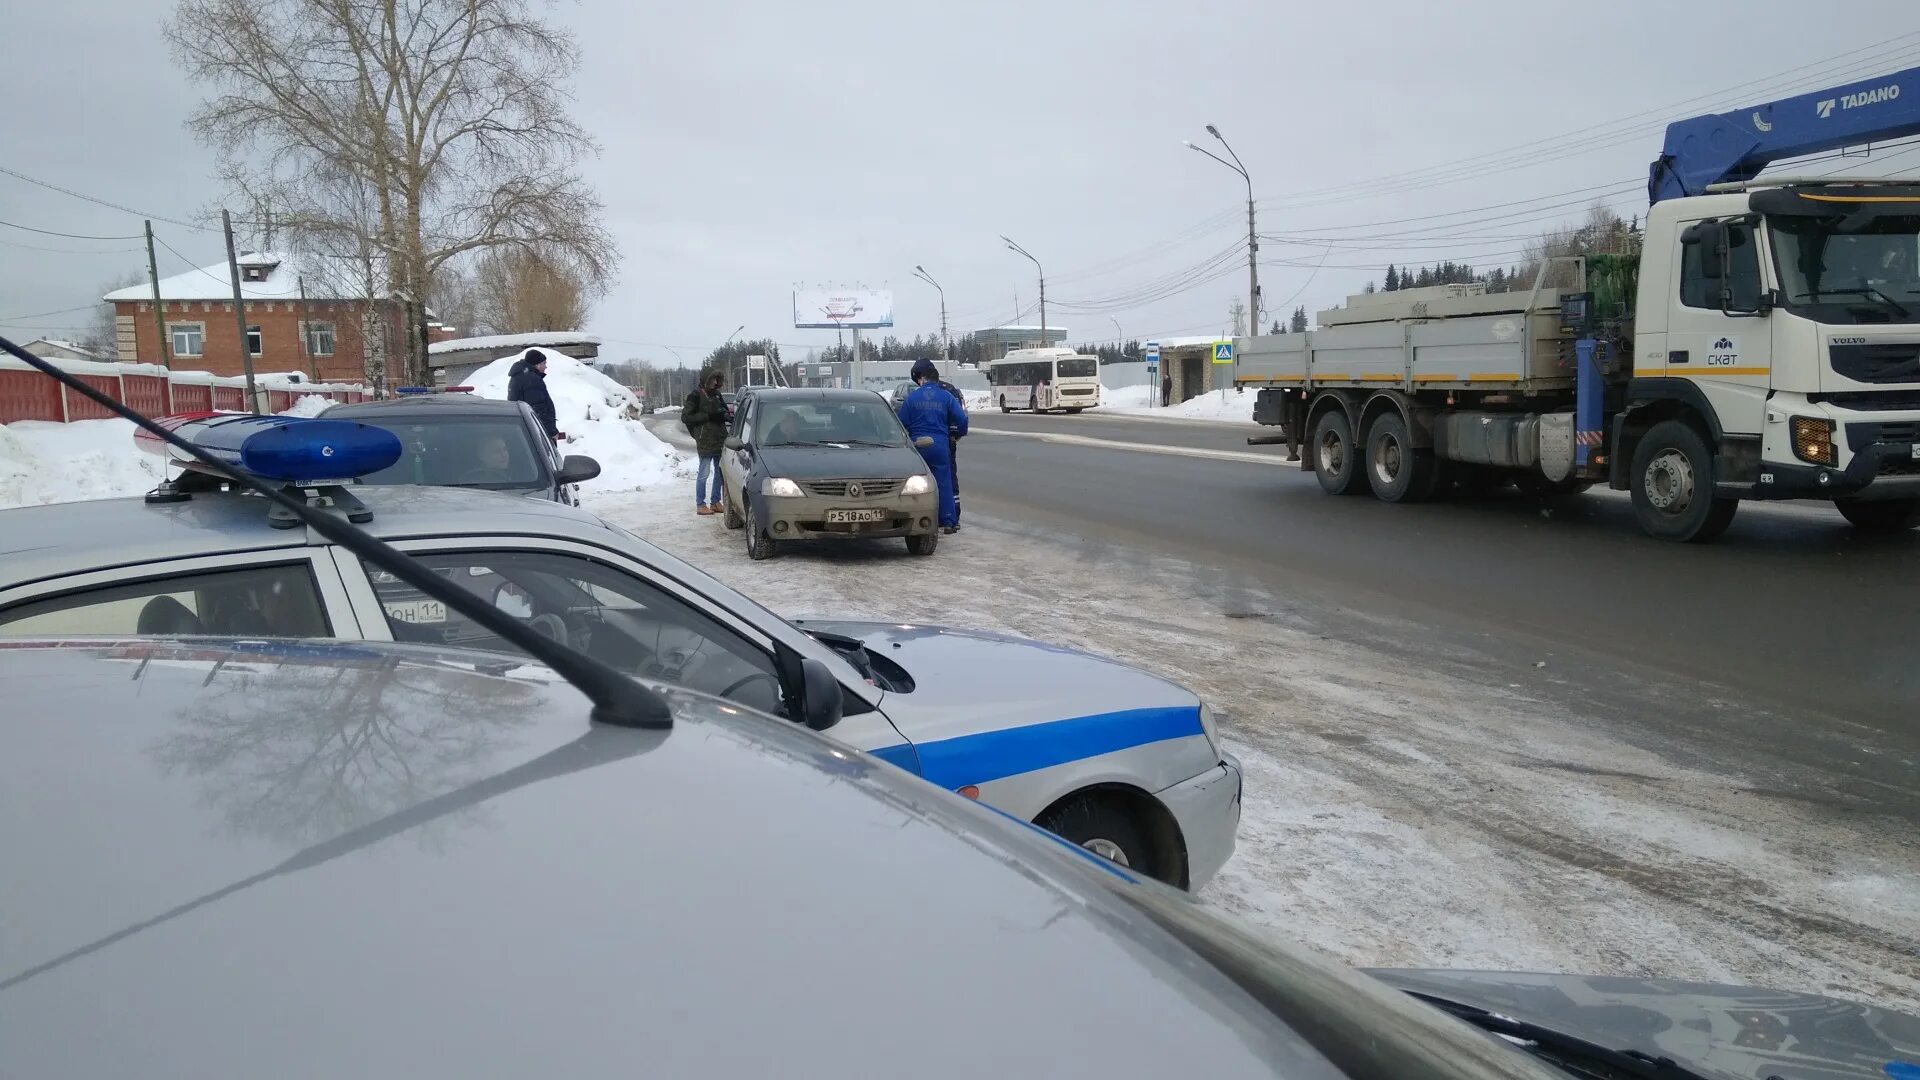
618	610
1729	357
250	594
735	465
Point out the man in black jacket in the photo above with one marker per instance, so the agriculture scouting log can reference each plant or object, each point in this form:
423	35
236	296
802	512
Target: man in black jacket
527	381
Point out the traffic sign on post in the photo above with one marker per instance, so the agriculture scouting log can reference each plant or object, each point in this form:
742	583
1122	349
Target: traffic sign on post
1223	352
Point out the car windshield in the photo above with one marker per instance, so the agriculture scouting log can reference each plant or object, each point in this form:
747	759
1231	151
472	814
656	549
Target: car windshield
1077	367
828	423
461	451
1839	270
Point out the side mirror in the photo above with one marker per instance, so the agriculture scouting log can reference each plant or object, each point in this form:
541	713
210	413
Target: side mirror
820	702
923	442
733	443
578	468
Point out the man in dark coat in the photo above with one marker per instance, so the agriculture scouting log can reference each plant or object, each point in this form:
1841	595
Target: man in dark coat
527	381
706	417
953	444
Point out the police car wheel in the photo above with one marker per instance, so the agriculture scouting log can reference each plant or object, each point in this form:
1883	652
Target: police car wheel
1104	827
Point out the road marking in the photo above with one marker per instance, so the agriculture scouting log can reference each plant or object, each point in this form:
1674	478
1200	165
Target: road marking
1144	448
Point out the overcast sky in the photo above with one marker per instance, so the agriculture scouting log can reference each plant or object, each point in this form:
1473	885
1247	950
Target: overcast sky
747	147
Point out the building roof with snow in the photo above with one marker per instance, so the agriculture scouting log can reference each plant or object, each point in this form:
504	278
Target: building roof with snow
61	349
549	339
263	276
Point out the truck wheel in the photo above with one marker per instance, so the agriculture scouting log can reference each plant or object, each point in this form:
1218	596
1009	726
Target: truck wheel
759	545
1532	483
1397	471
730	517
1336	461
1673	486
1891	515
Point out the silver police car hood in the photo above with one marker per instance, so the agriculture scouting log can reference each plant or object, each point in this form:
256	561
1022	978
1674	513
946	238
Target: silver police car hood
978	679
1736	1032
347	860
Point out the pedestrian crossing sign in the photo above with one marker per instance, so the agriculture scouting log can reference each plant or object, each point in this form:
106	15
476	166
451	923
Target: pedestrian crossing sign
1223	352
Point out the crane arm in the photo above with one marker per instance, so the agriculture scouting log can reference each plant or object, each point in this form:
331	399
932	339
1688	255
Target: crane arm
1723	147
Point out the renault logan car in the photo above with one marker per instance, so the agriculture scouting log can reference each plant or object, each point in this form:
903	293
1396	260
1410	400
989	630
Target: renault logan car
1109	756
825	465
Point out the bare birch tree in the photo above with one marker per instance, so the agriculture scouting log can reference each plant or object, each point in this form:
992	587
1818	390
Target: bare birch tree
518	291
413	131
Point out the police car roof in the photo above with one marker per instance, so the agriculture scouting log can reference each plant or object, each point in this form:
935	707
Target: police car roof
64	538
491	885
423	405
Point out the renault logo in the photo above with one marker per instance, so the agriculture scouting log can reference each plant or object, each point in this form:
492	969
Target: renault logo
853	491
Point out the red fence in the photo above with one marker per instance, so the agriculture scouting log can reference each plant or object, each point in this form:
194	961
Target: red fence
26	394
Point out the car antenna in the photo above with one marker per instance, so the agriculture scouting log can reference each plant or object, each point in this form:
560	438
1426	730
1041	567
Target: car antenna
616	699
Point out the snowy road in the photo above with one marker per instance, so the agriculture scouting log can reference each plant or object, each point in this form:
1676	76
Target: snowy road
1412	806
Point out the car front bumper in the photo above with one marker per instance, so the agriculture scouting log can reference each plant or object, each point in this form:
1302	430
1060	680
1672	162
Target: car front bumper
805	517
1207	809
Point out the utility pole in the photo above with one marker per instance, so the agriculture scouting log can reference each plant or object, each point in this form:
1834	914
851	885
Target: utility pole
159	308
240	313
306	328
946	342
1011	246
1253	236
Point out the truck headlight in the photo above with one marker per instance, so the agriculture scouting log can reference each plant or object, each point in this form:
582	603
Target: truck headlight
780	487
916	485
1813	439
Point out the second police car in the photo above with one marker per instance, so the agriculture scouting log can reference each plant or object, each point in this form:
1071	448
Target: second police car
1108	756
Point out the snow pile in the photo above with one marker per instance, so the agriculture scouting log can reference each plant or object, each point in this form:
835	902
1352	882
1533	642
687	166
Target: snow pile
600	417
44	462
978	399
308	405
1233	406
511	341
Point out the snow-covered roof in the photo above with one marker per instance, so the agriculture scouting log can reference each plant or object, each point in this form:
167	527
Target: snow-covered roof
60	343
1051	330
555	339
1183	342
325	279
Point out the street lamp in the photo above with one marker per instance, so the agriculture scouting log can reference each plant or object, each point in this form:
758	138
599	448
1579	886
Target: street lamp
946	342
1253	239
1011	246
743	362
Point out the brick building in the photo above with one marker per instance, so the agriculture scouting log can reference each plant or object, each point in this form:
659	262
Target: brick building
303	314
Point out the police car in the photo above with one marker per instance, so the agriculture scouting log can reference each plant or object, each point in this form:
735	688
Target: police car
1106	755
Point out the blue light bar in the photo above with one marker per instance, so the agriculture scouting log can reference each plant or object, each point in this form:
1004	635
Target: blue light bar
295	449
413	389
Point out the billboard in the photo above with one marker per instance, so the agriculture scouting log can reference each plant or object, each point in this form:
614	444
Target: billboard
853	308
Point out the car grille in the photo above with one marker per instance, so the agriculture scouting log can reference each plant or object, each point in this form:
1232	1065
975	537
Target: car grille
838	489
1861	436
1881	362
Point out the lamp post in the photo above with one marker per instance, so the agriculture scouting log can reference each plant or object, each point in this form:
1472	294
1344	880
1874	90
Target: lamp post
1253	239
729	341
946	343
1013	247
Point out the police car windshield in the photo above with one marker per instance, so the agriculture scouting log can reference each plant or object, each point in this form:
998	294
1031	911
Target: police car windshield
461	451
827	423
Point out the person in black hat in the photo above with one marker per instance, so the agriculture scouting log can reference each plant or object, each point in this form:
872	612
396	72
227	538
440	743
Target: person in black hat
932	412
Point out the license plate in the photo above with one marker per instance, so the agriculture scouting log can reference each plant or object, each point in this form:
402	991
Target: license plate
418	611
855	517
1916	451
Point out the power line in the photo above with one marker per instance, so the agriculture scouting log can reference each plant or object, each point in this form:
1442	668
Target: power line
102	202
196	266
68	235
16	319
69	251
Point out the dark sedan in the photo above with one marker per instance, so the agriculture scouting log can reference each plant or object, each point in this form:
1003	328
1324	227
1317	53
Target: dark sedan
825	465
457	440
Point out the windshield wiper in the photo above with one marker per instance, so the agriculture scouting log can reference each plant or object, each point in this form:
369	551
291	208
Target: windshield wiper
866	442
1863	290
1561	1048
617	699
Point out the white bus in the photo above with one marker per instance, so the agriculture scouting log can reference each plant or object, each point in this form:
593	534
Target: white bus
1044	380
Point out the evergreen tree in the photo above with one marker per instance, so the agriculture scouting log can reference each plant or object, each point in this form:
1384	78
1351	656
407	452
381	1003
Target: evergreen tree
1393	279
1370	288
1300	319
1277	328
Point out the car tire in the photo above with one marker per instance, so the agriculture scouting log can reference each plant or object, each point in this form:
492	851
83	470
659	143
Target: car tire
729	516
760	546
923	545
1396	471
1889	515
1336	460
1673	486
1105	827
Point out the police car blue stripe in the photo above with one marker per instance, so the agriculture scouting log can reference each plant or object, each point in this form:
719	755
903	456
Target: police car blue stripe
993	755
900	755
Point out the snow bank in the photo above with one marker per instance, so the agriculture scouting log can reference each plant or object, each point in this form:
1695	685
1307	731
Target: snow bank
510	341
88	459
308	405
601	419
1229	405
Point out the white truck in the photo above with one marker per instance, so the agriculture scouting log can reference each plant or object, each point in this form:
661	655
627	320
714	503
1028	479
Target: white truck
1764	344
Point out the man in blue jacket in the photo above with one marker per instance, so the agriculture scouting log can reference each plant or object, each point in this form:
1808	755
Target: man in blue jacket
930	412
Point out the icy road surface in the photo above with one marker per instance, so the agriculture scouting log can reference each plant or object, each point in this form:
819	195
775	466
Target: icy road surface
1403	816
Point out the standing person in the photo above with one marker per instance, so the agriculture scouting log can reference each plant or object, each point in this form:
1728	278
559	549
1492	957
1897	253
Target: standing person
527	381
953	441
1166	389
930	412
706	416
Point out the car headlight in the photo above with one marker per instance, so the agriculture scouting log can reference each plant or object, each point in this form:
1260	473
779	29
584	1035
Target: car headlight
916	485
1209	728
1813	439
780	486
